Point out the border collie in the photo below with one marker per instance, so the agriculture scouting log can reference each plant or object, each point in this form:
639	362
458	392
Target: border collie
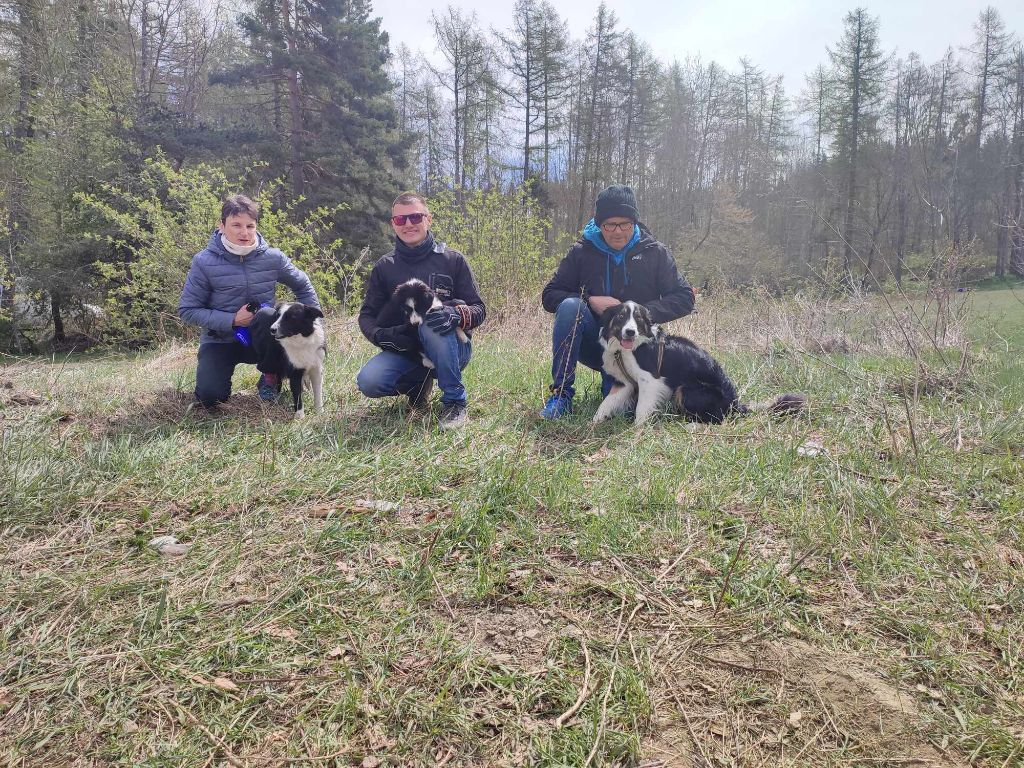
299	329
654	367
410	303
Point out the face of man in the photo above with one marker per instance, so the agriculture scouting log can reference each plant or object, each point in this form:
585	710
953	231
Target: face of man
408	232
617	231
239	229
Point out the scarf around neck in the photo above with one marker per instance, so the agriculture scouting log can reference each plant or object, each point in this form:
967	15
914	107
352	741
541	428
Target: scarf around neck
239	250
592	232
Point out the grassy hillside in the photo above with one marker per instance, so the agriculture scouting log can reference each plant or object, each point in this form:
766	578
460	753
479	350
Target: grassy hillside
839	589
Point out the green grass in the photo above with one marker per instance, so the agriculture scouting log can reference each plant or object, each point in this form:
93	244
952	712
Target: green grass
728	596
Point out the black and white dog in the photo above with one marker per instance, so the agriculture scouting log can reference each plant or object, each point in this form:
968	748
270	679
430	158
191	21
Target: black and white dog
410	303
654	367
299	330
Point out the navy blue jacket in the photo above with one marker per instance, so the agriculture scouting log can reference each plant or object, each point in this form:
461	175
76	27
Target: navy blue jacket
219	282
648	276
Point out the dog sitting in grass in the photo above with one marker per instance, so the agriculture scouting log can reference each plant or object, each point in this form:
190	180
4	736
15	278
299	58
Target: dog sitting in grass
653	368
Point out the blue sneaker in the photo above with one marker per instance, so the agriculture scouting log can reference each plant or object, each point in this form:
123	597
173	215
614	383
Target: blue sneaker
557	406
269	387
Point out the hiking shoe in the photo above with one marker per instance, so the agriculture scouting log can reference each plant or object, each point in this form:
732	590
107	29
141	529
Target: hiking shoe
453	416
269	387
419	397
557	406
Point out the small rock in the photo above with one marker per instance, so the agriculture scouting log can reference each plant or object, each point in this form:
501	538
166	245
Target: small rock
169	546
225	684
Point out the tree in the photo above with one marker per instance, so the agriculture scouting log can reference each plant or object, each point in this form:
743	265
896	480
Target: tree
464	49
534	54
326	61
859	69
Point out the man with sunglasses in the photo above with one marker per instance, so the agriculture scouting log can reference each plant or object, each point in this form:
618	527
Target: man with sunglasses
615	260
397	369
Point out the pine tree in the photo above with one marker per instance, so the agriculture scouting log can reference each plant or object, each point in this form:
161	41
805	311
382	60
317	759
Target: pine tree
332	109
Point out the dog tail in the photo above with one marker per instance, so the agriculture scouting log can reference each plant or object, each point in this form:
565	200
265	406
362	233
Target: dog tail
788	404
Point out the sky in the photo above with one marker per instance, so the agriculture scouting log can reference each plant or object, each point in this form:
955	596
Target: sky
785	37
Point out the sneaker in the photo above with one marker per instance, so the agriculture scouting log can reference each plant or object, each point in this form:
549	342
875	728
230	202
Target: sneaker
419	398
453	416
269	387
557	406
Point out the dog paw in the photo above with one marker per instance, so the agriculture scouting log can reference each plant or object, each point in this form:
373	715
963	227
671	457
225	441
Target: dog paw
300	414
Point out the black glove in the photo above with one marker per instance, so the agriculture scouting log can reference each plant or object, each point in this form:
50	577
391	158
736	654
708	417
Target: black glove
444	320
397	338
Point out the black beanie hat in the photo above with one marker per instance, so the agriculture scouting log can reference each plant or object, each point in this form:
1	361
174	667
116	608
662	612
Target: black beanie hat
616	200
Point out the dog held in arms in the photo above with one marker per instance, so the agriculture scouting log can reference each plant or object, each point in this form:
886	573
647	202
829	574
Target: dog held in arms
653	367
299	331
410	303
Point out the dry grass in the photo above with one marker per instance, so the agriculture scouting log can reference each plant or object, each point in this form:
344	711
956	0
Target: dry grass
361	590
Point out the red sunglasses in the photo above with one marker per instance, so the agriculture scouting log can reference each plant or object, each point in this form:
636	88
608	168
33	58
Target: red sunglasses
414	218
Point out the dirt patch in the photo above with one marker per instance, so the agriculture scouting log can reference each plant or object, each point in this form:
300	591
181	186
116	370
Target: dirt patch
857	698
11	396
514	636
173	406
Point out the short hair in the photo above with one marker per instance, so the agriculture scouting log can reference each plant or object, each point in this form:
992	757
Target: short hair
239	204
411	198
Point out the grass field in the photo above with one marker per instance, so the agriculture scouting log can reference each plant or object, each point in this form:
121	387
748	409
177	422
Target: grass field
359	589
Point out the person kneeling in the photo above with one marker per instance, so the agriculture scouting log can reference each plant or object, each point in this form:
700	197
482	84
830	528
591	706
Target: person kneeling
398	368
226	285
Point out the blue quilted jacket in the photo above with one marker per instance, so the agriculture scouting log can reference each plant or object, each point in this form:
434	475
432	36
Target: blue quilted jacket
219	282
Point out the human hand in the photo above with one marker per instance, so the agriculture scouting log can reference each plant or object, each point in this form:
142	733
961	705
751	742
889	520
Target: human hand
444	320
600	303
243	317
397	338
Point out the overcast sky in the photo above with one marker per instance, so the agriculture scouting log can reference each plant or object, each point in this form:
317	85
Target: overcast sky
786	37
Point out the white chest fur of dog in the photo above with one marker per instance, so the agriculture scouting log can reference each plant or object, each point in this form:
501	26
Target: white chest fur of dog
648	391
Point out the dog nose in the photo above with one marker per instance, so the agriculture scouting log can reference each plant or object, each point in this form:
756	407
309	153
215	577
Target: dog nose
629	333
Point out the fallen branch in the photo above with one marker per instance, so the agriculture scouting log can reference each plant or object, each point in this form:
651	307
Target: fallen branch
584	690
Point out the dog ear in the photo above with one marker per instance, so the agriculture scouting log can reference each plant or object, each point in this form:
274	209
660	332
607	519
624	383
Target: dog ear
608	314
314	312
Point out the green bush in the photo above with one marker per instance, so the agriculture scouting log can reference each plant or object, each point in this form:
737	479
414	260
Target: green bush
503	235
155	227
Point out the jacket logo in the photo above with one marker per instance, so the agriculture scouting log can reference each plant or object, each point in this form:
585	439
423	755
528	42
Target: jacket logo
443	285
636	258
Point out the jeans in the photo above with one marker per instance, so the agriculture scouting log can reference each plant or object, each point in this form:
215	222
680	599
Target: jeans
217	360
575	339
392	373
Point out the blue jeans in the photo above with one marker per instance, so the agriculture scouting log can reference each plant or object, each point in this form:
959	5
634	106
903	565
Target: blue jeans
391	373
217	360
575	340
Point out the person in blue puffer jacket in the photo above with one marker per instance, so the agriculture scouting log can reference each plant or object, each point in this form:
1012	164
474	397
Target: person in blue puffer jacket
235	269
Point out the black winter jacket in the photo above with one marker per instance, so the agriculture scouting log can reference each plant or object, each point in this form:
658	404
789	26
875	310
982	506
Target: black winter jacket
445	270
648	276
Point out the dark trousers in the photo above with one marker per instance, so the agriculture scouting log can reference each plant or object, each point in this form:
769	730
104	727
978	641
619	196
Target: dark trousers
217	361
575	340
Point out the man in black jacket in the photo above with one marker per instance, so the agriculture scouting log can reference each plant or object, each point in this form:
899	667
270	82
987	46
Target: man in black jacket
615	260
397	369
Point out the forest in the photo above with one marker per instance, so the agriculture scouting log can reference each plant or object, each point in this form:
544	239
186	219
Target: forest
124	122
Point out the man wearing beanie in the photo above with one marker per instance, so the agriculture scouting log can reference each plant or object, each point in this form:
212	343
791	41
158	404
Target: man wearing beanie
398	368
615	260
